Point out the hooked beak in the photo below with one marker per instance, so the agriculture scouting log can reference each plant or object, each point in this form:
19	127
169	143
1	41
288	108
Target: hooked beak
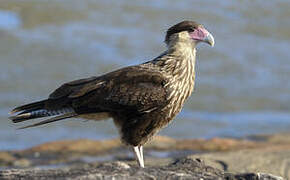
200	34
209	39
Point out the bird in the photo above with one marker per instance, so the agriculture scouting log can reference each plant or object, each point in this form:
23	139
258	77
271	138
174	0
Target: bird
141	99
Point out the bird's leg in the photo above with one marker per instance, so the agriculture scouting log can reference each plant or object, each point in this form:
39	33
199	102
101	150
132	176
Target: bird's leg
141	153
138	156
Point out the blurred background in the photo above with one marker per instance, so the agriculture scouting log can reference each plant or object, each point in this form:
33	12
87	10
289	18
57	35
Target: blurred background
242	86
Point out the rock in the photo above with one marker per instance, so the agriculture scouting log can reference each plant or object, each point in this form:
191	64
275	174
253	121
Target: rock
21	163
259	154
83	146
6	158
93	147
268	176
281	138
215	144
274	160
84	150
186	168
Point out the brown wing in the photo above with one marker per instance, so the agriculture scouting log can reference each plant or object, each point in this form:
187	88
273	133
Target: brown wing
132	89
71	87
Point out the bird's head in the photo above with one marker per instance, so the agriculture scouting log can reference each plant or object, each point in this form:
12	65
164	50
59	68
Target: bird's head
189	31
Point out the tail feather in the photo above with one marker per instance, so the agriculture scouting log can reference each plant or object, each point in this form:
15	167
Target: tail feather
29	107
26	115
38	110
57	118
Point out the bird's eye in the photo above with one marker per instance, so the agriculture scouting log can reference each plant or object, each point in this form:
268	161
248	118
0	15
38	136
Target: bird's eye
191	29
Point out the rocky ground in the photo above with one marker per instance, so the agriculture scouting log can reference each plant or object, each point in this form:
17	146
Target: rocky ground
186	168
256	157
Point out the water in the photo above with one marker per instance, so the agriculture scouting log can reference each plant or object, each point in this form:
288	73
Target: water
242	83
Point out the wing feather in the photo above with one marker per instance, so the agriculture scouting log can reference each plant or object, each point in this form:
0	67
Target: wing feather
68	88
132	89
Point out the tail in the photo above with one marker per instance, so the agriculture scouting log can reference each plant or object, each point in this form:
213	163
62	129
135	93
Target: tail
38	110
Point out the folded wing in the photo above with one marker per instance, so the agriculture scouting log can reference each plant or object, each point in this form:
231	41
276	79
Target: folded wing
131	90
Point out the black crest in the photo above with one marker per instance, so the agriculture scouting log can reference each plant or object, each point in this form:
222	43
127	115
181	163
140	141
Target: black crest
182	26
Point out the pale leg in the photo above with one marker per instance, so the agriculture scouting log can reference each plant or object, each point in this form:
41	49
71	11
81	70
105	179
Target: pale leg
138	156
141	153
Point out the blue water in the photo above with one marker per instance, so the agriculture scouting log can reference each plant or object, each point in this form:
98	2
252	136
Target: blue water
9	20
242	84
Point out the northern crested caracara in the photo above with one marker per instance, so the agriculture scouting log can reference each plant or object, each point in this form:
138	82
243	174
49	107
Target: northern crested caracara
141	99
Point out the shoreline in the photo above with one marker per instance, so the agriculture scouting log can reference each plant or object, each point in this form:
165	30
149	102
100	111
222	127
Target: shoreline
255	154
